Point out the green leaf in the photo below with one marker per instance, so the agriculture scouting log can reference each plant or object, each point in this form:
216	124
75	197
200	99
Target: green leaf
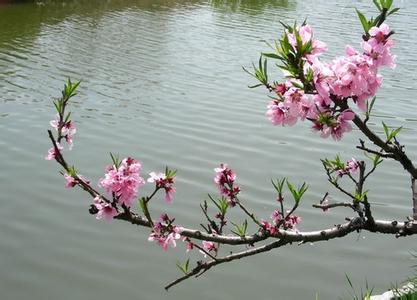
67	118
255	86
142	203
359	197
115	159
394	133
388	4
57	106
369	106
279	184
71	171
297	194
240	229
183	266
223	205
390	134
386	129
377	160
265	72
297	84
272	55
393	11
286	26
364	21
377	5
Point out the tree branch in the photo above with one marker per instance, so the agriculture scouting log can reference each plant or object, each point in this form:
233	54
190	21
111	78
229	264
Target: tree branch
397	152
202	267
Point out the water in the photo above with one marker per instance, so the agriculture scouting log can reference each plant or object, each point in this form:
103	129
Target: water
162	81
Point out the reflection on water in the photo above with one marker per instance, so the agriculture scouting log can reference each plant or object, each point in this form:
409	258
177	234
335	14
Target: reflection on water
252	7
162	81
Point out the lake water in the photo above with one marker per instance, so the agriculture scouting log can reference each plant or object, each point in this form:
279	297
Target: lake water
162	81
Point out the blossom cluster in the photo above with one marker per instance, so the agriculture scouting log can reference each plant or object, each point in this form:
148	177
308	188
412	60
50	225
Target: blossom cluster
225	181
162	181
164	233
208	247
103	209
123	182
316	95
350	167
278	220
71	181
66	129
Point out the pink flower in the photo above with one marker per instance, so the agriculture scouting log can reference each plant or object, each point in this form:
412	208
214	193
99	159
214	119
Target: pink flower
189	246
55	123
276	217
319	47
292	221
352	166
123	182
169	194
306	34
280	88
208	246
105	210
279	114
270	228
52	153
342	125
293	97
162	181
307	108
380	33
378	47
69	181
165	235
68	131
323	75
225	179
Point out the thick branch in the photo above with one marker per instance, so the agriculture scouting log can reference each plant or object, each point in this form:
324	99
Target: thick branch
381	226
414	192
398	153
202	267
333	205
288	237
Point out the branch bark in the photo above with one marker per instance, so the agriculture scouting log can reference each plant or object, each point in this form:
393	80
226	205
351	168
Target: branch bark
414	192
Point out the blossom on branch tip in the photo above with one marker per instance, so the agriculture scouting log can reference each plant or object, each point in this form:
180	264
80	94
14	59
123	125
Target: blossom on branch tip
279	114
378	47
68	129
104	210
124	181
270	228
55	122
208	247
292	221
162	181
69	181
225	179
276	217
52	153
350	167
306	35
164	233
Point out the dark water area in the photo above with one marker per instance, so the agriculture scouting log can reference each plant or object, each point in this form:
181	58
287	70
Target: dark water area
162	81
